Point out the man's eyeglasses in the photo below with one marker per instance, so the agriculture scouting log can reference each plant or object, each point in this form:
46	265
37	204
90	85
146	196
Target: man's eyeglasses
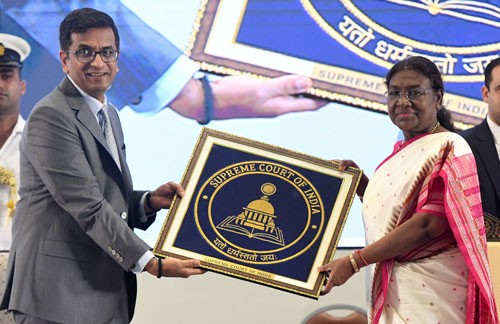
86	55
411	95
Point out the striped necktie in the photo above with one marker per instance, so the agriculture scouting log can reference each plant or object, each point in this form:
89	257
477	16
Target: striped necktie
105	125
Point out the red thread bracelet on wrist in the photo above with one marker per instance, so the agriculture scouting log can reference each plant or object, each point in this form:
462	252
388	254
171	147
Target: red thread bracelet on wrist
358	252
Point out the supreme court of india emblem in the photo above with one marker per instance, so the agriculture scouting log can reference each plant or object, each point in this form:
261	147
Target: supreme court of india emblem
348	46
254	232
259	212
380	32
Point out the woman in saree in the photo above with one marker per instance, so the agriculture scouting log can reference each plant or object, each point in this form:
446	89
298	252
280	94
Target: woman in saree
425	237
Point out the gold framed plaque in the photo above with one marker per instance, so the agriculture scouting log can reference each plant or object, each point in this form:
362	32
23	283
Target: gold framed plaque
259	212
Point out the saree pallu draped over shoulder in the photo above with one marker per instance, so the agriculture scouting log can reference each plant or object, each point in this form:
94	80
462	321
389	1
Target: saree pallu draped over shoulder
446	280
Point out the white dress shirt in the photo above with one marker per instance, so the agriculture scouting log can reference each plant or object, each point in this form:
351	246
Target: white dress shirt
9	158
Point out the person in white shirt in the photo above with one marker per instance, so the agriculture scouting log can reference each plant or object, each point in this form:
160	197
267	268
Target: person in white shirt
13	51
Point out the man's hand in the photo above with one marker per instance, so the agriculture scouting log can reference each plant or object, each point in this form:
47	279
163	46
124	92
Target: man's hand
163	196
247	97
172	267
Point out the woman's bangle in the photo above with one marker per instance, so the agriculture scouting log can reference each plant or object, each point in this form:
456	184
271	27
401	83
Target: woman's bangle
358	252
353	263
160	274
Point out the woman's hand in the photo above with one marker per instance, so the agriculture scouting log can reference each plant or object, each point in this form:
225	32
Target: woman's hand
337	271
344	164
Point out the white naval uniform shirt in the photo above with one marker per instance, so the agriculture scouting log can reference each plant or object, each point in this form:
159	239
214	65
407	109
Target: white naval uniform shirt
9	158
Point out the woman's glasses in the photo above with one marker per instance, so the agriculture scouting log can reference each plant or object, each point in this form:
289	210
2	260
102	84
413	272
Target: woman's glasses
411	95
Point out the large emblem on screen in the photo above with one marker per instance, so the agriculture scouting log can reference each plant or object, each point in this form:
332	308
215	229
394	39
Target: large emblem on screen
368	28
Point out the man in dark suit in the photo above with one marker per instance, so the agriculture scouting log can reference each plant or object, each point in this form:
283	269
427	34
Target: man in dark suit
484	140
74	252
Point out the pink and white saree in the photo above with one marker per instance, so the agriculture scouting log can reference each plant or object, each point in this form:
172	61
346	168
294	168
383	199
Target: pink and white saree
446	280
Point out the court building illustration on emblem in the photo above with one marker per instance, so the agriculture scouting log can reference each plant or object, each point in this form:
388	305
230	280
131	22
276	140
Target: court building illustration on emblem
257	220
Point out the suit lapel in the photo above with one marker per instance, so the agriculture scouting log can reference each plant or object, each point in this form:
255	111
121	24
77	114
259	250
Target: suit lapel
488	153
84	115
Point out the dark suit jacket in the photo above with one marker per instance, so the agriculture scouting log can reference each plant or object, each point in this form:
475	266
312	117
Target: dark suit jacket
73	242
482	144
